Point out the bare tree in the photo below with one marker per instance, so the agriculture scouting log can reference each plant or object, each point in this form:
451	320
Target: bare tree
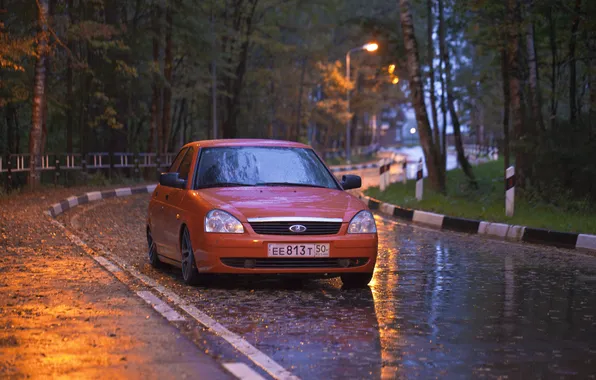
461	156
35	134
431	71
432	153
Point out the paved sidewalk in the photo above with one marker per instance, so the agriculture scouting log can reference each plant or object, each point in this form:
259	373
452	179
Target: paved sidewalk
63	315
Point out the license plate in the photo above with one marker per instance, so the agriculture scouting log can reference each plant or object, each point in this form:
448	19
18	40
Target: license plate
298	250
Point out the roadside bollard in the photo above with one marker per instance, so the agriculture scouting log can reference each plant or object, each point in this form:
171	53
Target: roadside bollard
509	191
419	180
388	172
382	184
404	168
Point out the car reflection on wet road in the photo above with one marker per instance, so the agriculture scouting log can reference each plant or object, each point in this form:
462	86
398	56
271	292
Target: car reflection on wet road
440	304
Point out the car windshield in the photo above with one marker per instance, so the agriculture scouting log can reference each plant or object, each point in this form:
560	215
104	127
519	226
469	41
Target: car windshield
262	166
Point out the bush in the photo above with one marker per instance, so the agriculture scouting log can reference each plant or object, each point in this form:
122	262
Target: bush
563	167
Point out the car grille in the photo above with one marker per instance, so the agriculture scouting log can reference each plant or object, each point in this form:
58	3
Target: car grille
283	228
245	262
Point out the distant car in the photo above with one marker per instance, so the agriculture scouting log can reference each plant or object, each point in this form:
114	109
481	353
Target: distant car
259	207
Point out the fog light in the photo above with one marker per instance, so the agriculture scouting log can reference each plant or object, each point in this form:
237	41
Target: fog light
250	263
344	263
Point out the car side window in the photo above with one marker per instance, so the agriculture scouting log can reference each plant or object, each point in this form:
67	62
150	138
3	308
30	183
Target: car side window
176	163
184	167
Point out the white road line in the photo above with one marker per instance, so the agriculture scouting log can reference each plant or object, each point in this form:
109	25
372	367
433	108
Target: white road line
242	371
255	355
160	306
107	264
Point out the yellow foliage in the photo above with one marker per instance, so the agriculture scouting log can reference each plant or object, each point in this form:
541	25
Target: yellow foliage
13	50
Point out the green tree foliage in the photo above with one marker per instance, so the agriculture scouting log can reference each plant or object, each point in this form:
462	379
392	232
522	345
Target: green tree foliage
137	75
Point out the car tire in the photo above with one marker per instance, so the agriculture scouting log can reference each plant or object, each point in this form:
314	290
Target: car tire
190	273
356	280
152	251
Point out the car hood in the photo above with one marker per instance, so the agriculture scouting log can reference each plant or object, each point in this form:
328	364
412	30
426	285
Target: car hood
264	201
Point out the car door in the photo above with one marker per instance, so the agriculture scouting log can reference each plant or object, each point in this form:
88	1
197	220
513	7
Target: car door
173	201
157	208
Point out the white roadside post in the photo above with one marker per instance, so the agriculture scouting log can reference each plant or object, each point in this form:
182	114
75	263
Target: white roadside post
510	191
382	175
404	168
388	172
419	181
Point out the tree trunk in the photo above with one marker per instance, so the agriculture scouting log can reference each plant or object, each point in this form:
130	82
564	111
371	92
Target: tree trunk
506	103
432	154
155	130
461	156
535	98
17	133
10	113
444	114
48	74
300	94
69	84
167	72
592	83
431	72
572	68
178	131
554	71
515	92
35	134
230	129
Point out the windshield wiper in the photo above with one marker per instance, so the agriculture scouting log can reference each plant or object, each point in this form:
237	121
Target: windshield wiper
224	184
289	184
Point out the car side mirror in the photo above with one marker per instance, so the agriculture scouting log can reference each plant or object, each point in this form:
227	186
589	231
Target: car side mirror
350	181
172	180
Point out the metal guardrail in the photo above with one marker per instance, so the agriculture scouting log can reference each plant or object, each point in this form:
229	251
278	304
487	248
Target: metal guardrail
361	150
96	161
91	162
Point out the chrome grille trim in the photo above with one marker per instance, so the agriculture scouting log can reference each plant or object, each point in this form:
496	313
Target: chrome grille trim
283	228
296	219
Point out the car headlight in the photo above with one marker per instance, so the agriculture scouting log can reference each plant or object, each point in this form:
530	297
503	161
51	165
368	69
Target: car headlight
362	223
222	222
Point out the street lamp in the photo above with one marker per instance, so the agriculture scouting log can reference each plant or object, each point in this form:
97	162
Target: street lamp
368	47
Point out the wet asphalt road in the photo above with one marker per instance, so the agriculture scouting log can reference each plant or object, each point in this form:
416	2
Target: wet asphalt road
441	304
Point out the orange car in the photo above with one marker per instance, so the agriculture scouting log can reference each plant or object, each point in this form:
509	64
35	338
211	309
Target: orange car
259	207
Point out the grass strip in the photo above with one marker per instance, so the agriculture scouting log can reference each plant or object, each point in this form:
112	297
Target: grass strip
487	203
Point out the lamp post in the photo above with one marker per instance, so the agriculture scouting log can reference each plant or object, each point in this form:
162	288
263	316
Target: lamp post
369	47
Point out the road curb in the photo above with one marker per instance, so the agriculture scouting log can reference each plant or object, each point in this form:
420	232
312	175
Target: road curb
92	196
495	230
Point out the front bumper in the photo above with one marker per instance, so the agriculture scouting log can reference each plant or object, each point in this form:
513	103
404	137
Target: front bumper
217	250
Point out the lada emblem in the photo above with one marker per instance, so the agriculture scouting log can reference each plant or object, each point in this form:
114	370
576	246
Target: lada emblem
297	228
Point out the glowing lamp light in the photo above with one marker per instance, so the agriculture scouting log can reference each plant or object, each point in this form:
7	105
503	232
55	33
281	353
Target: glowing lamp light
391	69
395	80
412	130
371	46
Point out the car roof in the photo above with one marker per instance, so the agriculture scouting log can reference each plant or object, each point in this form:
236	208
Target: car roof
247	142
